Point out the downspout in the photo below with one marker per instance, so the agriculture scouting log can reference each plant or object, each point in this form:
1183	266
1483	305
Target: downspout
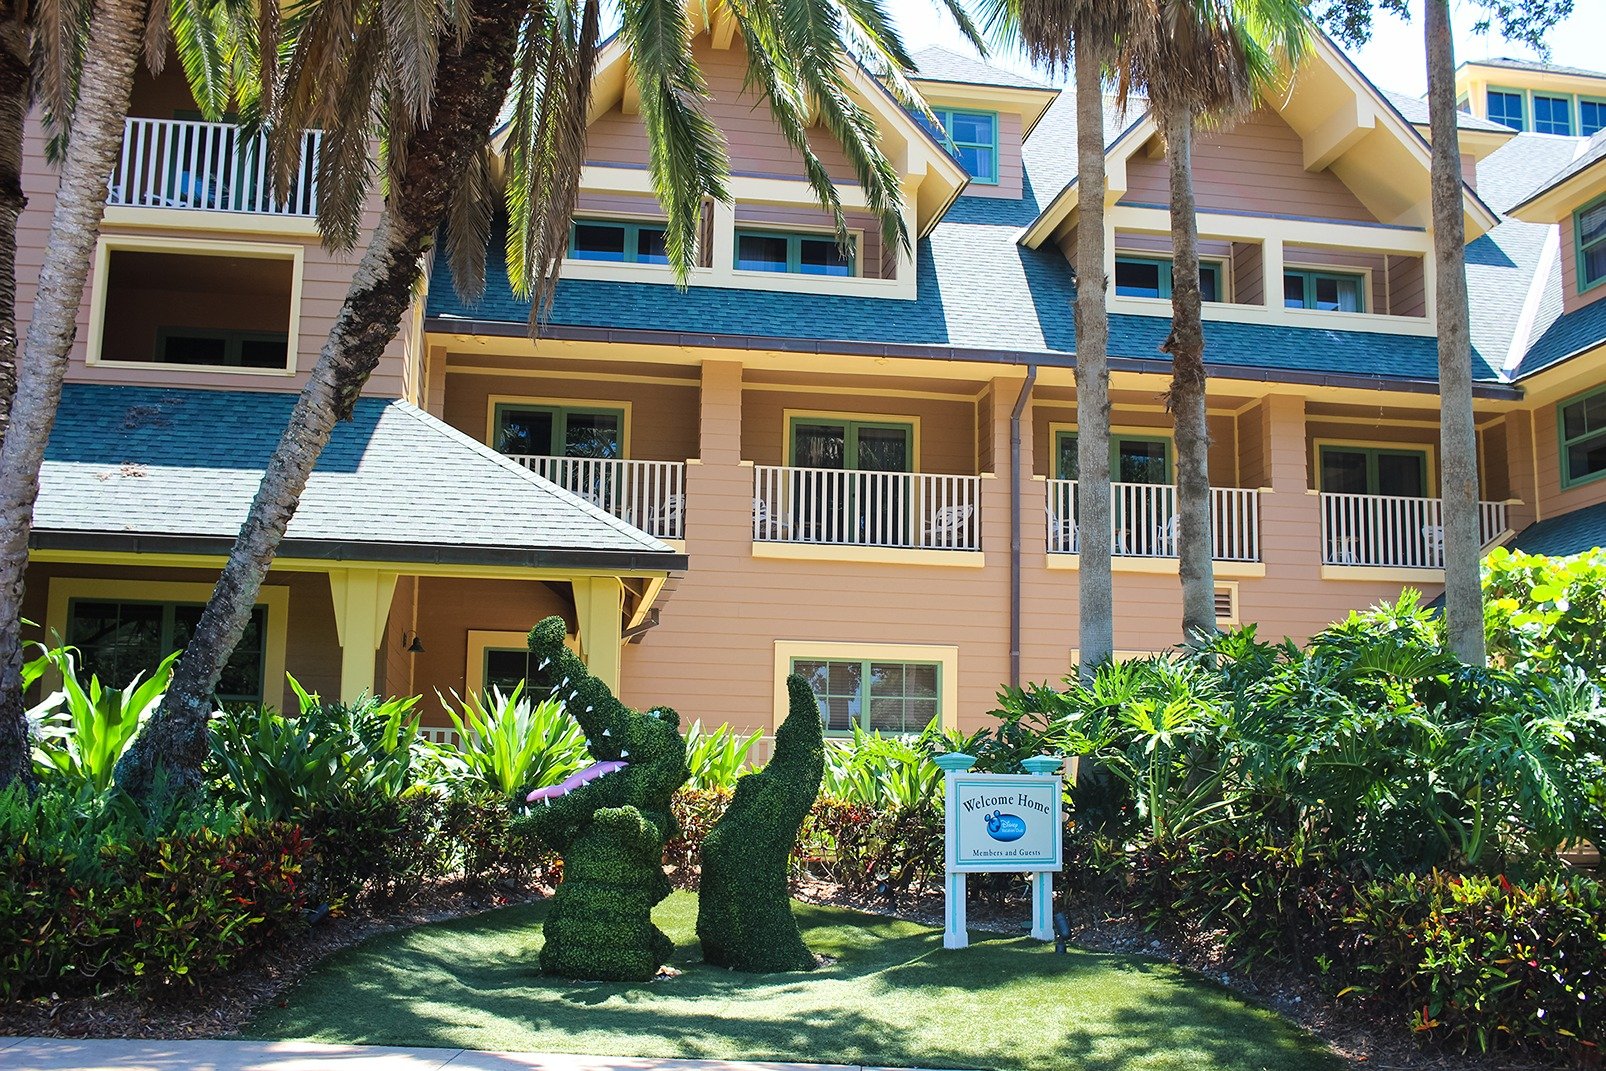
1014	525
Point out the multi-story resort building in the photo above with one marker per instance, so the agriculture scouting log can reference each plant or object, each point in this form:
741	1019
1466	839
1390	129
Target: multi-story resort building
825	462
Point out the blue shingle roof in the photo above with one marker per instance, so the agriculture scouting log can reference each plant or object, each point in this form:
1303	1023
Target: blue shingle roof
1570	533
140	461
1580	330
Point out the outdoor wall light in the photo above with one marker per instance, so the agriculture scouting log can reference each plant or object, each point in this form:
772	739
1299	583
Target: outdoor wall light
416	646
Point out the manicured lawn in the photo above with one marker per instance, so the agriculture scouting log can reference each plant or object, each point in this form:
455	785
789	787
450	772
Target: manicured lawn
893	997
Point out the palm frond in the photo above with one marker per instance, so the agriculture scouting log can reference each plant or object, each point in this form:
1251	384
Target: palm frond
412	43
468	227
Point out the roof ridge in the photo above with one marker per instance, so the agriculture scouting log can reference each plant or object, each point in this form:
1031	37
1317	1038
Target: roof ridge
501	460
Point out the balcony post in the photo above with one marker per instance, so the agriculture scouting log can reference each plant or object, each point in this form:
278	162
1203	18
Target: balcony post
1521	478
719	488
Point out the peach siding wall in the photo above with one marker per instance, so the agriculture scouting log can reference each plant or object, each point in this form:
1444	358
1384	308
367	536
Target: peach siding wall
755	143
324	283
944	427
663	418
1248	274
1278	183
1547	449
312	650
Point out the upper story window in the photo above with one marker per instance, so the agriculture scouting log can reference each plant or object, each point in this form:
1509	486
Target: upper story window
1589	224
1150	277
558	430
889	697
1328	291
1365	470
1553	115
1591	116
791	251
617	241
971	138
1506	107
1582	423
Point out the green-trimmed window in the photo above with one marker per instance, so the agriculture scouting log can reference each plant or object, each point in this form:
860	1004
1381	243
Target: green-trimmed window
119	638
1506	107
1553	115
1329	291
559	430
222	348
505	668
889	697
1133	458
1591	116
1582	423
617	241
1151	277
1589	229
971	138
791	252
1364	470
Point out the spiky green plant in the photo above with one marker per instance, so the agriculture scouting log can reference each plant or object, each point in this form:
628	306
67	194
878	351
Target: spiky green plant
82	730
509	744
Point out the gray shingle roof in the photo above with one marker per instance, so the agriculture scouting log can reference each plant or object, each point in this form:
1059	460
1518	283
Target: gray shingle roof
1580	330
1533	65
394	483
1570	533
938	64
1593	152
1415	110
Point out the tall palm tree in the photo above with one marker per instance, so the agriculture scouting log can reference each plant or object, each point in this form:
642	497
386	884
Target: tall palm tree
1202	59
437	79
85	55
1086	36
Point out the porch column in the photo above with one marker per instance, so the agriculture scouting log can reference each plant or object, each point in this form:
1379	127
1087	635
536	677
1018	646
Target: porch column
598	603
719	487
1521	478
362	602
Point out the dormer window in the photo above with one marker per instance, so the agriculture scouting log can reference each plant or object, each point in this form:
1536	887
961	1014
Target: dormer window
1591	116
1553	115
1589	224
617	241
1327	291
1506	107
792	252
1150	277
971	138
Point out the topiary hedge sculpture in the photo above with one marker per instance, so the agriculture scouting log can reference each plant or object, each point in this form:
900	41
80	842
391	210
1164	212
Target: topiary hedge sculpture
744	914
609	823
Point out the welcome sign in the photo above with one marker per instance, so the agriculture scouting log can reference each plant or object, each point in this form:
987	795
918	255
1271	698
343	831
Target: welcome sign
1003	822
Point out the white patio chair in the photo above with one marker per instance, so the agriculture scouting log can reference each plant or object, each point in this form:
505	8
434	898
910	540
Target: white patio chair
1343	550
767	526
1433	543
1165	537
666	519
1061	532
949	527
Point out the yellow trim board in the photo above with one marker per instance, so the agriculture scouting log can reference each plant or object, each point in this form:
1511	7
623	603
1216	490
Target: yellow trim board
275	597
110	243
1384	573
836	552
316	565
1158	566
198	219
946	657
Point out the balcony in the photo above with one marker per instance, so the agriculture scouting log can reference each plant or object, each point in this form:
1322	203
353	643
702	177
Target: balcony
865	508
1392	531
1144	521
211	167
651	495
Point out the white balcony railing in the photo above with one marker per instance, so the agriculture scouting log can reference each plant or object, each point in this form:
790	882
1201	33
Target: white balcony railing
1394	530
858	507
651	495
1144	521
216	167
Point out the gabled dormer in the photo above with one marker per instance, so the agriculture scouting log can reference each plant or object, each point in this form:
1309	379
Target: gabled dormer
1314	211
1533	97
1575	199
984	115
774	236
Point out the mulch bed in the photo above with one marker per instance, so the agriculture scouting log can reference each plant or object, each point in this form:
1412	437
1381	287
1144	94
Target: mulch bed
226	1005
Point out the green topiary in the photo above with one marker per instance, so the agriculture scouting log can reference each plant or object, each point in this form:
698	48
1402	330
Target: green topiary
744	914
609	823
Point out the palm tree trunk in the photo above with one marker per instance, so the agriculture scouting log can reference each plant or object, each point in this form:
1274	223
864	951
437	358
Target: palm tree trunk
1458	437
1186	398
1095	583
15	68
470	85
115	40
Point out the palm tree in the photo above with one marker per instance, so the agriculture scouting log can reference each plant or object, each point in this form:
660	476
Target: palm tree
84	77
1202	59
438	79
1086	36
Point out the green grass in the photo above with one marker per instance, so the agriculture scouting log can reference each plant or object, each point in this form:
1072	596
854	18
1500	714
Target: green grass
894	997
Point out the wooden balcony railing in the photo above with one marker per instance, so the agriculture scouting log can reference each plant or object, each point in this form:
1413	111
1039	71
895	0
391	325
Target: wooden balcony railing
215	167
651	495
856	507
1394	530
1144	521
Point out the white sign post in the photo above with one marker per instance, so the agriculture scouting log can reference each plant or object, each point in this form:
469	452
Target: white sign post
1001	823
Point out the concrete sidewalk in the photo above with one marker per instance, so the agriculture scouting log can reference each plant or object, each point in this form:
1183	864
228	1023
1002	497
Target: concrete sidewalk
62	1054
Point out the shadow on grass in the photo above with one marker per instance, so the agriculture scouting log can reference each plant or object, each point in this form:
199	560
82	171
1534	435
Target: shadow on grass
893	997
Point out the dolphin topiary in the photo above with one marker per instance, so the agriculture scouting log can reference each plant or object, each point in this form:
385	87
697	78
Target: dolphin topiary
744	913
609	823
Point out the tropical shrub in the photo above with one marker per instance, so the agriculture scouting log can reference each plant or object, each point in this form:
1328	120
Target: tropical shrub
718	758
1543	612
84	728
508	744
